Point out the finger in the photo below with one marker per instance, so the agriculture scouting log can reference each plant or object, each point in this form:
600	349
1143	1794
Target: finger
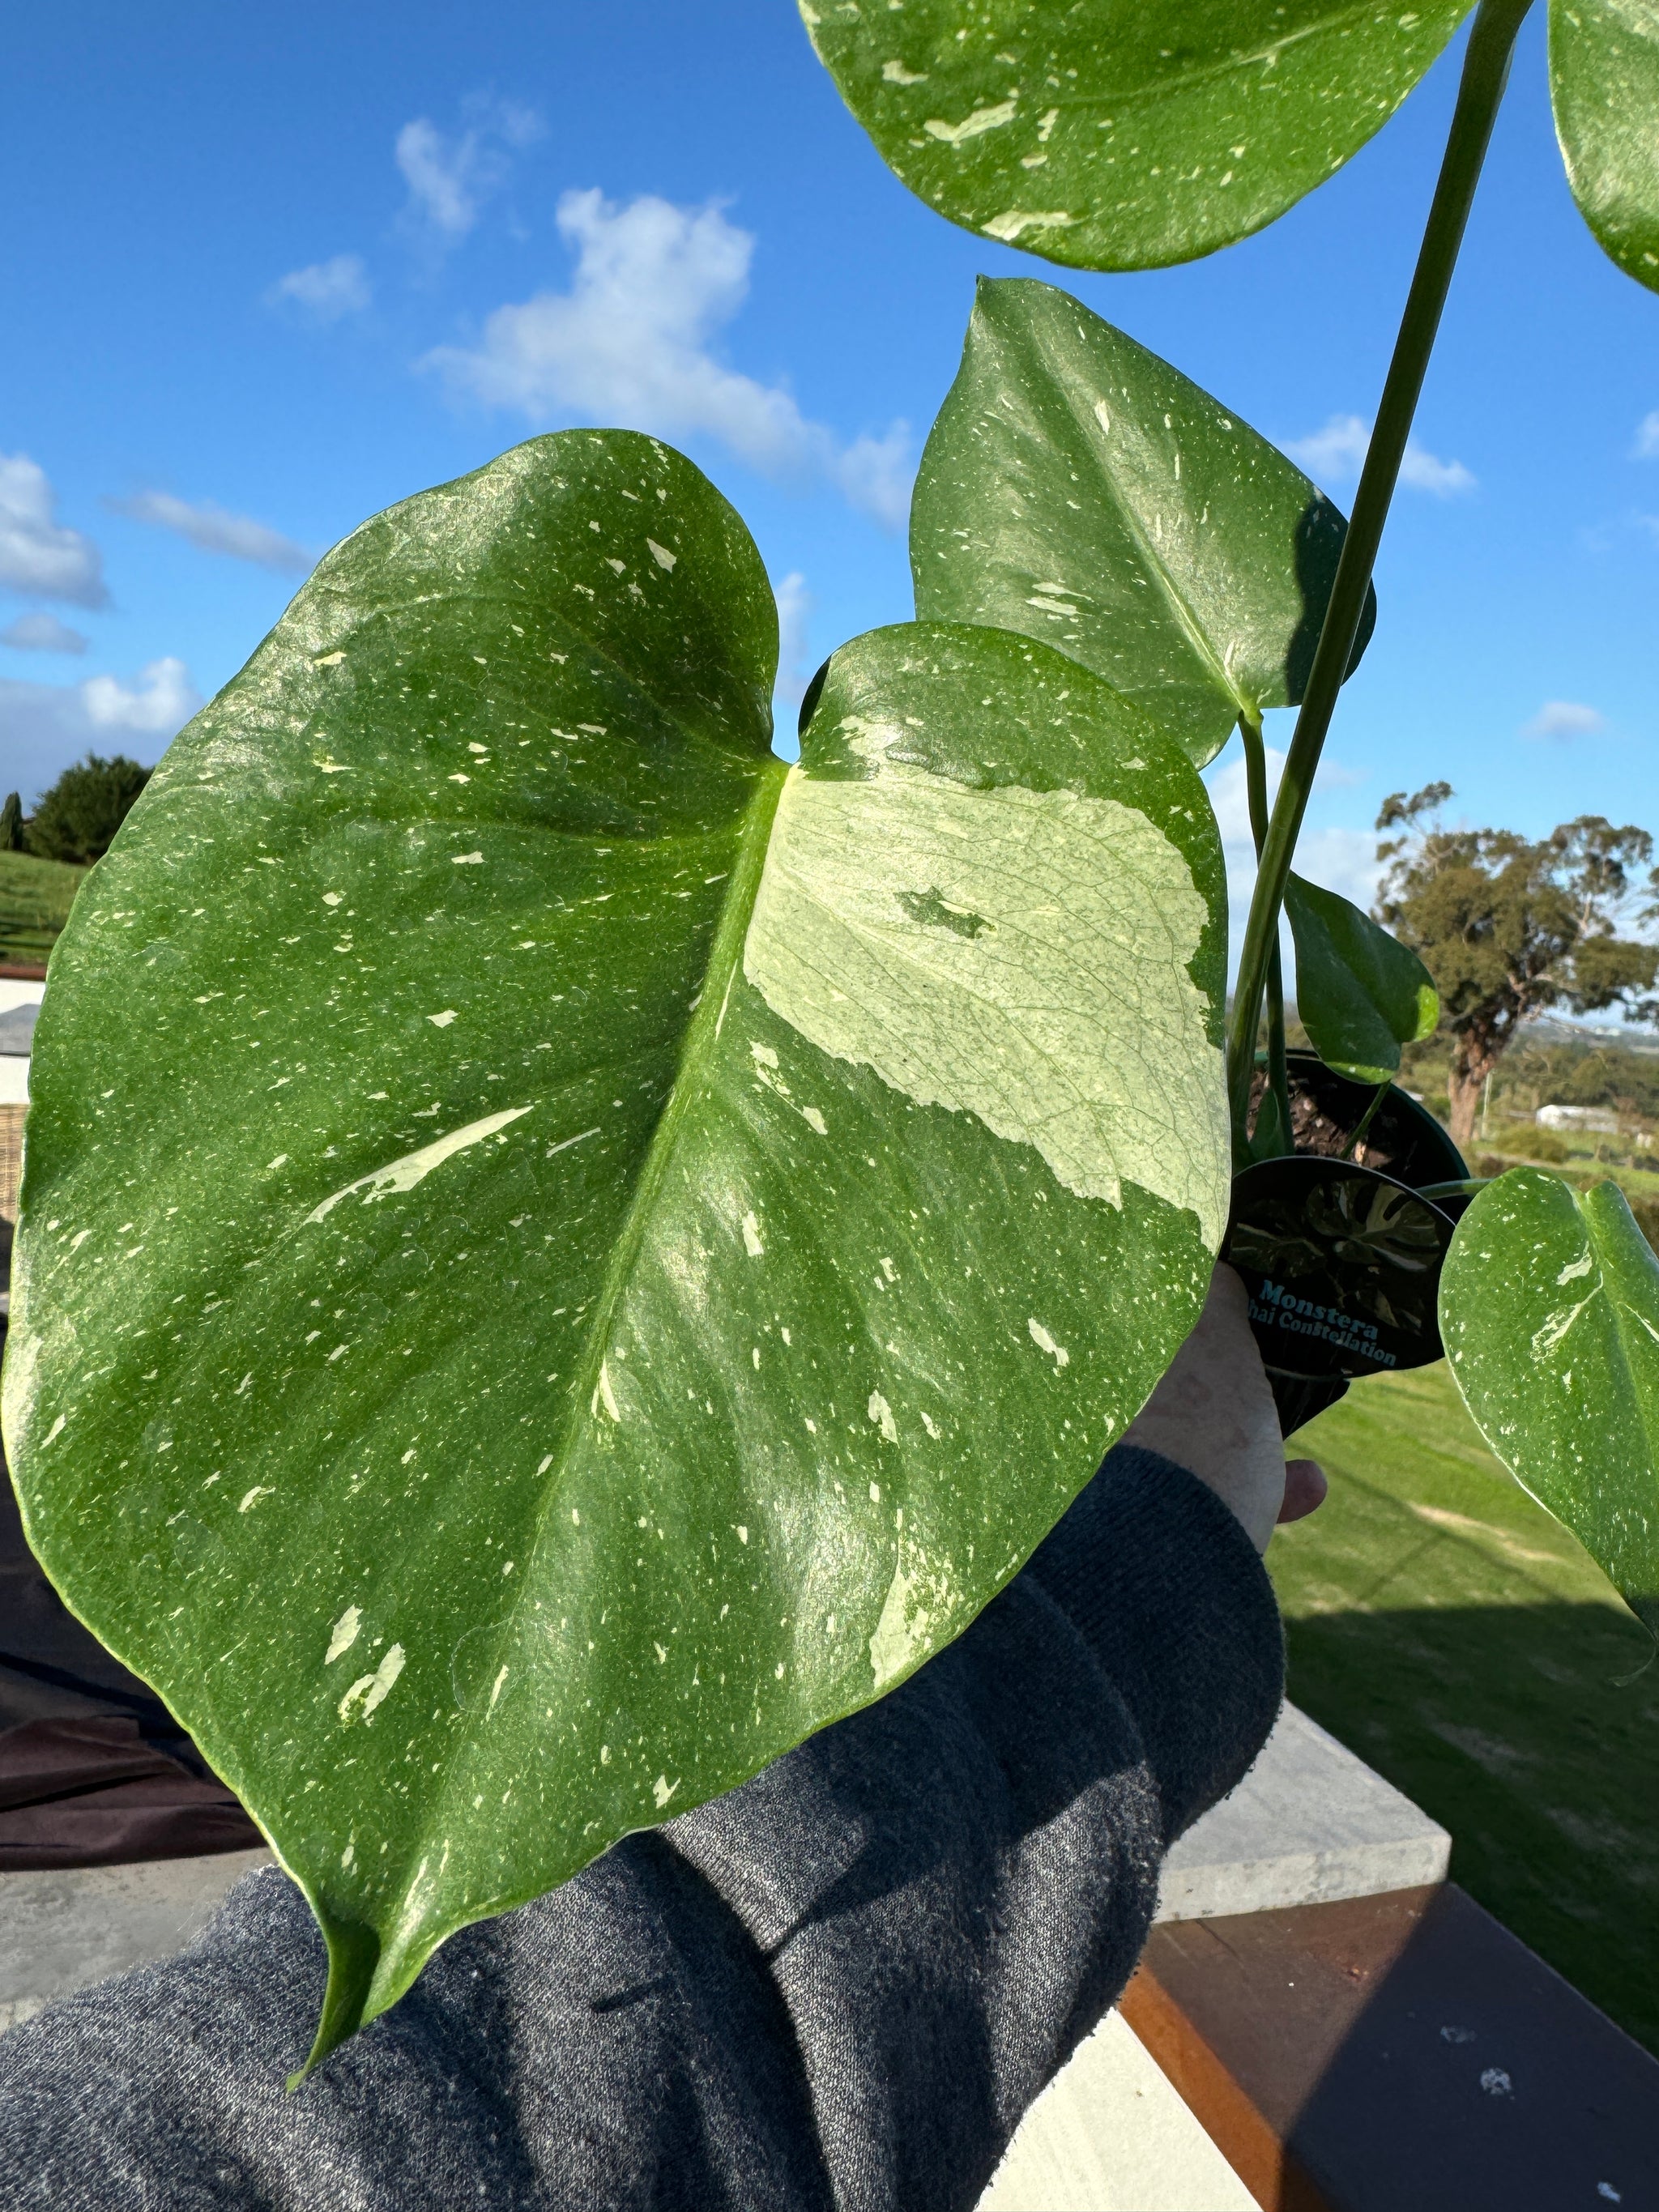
1304	1488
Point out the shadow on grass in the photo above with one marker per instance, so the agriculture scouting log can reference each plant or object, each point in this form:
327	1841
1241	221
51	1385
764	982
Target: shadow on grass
1520	1730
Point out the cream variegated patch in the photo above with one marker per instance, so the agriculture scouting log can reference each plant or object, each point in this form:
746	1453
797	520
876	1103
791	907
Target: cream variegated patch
1019	955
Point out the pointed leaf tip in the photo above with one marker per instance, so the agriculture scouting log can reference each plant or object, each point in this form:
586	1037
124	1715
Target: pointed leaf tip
1077	489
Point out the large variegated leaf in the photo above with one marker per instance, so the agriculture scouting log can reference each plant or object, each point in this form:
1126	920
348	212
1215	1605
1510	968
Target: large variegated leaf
1079	488
560	1255
1549	1307
1604	81
1109	134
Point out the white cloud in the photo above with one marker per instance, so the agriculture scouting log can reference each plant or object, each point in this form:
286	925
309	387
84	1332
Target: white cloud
1646	447
159	701
795	663
1424	472
325	290
1337	453
45	726
629	344
42	633
38	553
1565	719
876	474
215	530
451	175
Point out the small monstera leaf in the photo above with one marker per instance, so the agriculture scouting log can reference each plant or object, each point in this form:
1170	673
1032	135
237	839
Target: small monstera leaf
559	1254
1549	1307
1361	994
1604	82
1079	488
1107	134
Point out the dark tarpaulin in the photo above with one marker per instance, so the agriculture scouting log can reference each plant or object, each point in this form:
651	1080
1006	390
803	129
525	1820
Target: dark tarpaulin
94	1769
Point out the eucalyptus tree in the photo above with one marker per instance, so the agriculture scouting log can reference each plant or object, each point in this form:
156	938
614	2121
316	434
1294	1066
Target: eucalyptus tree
1510	926
626	1244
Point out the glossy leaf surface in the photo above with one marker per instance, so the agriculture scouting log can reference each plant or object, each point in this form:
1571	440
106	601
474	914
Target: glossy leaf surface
1361	994
1079	488
1604	82
1107	134
1549	1306
560	1255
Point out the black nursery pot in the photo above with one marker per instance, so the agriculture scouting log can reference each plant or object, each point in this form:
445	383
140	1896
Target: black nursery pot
1342	1262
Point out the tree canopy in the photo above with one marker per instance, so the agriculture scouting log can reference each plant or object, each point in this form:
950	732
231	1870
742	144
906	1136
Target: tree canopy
1510	926
78	818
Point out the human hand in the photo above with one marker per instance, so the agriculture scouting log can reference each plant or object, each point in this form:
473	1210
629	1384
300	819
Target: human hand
1213	1414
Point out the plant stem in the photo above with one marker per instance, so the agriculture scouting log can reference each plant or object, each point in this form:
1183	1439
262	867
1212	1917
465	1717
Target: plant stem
1364	1121
1255	786
1485	71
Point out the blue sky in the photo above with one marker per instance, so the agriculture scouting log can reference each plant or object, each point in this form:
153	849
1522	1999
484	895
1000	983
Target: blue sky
269	270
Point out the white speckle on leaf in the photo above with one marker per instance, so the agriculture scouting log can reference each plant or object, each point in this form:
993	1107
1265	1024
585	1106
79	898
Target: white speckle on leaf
462	860
751	1238
545	1464
333	898
56	1430
404	1174
1044	1342
344	1633
894	72
972	127
661	554
1582	1266
764	1054
442	1021
882	1414
742	1534
814	1120
1007	226
662	1790
931	1425
900	1632
604	1395
565	1143
370	1690
495	1693
1547	1339
252	1498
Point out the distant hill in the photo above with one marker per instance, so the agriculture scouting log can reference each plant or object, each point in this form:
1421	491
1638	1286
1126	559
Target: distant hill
35	896
1596	1036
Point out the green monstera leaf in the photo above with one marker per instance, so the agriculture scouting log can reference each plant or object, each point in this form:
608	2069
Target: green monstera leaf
1079	488
1107	134
560	1254
1549	1308
1361	994
1604	82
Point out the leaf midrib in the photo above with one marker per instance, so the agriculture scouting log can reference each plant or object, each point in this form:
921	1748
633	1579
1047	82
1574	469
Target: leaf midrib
725	955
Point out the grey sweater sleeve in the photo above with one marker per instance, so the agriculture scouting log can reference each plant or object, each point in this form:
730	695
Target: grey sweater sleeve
839	1986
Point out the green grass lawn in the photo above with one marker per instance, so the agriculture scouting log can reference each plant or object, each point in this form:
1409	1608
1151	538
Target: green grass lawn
34	904
1457	1638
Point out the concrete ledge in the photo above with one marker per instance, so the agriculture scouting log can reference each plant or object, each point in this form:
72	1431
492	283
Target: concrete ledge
1111	2134
61	1929
1308	1825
